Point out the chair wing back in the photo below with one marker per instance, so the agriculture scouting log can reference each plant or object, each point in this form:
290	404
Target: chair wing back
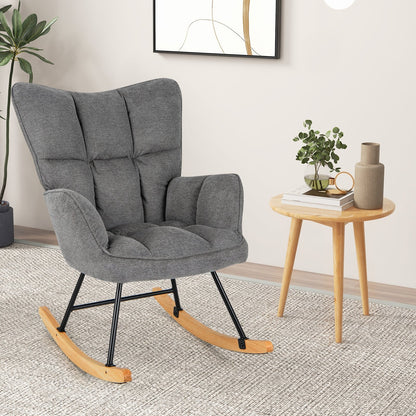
117	148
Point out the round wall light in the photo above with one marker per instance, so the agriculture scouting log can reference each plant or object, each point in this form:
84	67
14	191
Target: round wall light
339	4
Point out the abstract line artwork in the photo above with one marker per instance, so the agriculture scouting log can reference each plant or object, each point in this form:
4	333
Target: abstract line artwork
217	27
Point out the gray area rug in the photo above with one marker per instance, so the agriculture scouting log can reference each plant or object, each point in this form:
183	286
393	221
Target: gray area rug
372	373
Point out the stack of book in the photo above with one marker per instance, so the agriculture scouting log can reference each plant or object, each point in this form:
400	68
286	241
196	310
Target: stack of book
307	197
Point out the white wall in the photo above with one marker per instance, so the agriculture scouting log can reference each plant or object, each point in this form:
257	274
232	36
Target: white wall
354	68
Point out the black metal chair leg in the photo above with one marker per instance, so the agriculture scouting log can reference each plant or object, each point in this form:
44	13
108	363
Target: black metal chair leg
177	308
70	306
241	341
116	311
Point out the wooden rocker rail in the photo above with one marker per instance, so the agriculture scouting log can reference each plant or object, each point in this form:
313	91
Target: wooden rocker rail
79	358
123	375
209	335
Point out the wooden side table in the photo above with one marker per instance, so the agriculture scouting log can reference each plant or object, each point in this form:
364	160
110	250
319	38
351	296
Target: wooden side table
336	220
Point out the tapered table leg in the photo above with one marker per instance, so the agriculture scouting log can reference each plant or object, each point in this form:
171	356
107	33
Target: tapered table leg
295	227
362	264
338	247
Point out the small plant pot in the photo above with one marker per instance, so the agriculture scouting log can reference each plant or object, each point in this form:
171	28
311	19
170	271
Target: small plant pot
318	182
6	224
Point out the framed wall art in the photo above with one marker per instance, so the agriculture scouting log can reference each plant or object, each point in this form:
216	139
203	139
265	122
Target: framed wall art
217	27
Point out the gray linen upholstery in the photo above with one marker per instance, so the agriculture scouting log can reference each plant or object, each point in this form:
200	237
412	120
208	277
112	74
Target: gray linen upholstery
110	163
215	201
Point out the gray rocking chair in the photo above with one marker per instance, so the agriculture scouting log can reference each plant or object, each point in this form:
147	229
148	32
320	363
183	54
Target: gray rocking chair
110	163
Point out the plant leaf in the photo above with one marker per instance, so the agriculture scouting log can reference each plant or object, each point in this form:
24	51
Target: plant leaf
38	56
28	25
5	8
48	26
5	57
7	37
17	25
4	42
26	67
36	32
45	32
5	26
31	48
46	29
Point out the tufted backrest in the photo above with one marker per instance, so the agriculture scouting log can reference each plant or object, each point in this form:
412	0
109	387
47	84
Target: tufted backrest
117	148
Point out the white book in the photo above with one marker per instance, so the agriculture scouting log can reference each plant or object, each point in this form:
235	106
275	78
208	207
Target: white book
305	194
319	206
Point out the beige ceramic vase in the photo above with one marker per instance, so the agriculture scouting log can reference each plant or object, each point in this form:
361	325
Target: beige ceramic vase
369	178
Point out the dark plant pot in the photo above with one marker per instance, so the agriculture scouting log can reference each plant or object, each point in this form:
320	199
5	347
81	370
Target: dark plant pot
6	224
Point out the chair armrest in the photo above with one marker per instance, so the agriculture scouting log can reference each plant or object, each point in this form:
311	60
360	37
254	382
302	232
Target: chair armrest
214	200
79	228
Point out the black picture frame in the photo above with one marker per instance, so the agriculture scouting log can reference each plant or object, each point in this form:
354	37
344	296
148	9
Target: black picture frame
277	39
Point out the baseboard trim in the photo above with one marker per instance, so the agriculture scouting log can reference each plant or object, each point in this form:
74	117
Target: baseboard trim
322	282
314	290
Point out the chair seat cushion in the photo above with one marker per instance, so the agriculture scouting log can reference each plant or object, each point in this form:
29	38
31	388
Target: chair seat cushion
169	240
147	251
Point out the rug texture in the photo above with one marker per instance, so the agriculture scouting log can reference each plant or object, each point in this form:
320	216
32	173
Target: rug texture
373	372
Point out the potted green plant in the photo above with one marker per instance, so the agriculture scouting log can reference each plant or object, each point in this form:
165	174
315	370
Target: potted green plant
318	151
14	41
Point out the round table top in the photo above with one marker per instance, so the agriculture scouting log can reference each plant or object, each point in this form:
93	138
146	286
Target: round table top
352	214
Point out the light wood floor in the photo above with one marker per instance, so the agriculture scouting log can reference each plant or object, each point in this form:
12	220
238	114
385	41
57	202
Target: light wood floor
270	273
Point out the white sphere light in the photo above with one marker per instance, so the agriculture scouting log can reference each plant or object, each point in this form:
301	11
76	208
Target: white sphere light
339	4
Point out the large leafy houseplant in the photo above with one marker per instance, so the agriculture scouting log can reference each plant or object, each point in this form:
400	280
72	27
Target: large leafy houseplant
318	150
14	41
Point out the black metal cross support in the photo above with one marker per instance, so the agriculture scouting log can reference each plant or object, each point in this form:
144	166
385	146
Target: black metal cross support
123	299
70	306
241	341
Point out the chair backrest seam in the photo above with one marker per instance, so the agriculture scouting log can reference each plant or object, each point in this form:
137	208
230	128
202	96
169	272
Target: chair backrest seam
135	163
87	161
